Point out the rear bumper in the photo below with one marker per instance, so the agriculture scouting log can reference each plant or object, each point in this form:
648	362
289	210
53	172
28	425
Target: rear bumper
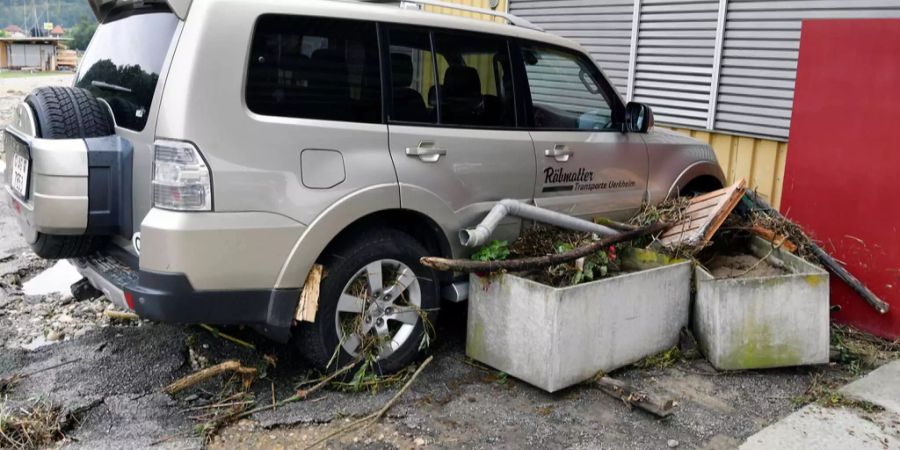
170	297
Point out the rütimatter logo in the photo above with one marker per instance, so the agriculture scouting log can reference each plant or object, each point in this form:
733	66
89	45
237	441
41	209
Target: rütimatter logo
559	180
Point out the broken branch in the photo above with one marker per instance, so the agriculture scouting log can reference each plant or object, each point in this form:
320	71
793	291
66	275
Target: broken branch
301	394
205	374
537	262
633	397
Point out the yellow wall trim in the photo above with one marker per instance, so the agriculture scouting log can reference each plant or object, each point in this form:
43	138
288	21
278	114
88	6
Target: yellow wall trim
484	4
757	160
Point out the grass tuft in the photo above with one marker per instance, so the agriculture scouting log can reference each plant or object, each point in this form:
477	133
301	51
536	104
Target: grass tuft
664	360
36	426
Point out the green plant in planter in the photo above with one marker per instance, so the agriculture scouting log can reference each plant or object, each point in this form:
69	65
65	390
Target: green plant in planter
594	267
495	251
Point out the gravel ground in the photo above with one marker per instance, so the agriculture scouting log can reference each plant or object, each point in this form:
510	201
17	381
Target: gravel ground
108	376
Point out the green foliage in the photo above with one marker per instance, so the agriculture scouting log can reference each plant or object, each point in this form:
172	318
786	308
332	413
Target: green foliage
595	266
60	12
662	360
82	33
3	34
495	251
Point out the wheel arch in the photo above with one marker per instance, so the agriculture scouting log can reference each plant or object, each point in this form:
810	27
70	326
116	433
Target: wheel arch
378	206
705	175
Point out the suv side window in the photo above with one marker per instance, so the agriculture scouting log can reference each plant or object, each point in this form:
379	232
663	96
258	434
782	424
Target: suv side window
566	92
412	76
315	68
476	83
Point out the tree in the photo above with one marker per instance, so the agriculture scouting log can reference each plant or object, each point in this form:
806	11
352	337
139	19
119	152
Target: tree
3	34
82	33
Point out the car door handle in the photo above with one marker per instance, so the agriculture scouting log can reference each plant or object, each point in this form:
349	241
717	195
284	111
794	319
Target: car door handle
559	152
427	151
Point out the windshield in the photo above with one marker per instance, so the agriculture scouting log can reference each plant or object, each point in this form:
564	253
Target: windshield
123	62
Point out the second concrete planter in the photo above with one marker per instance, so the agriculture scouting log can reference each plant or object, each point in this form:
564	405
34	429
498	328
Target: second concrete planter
755	323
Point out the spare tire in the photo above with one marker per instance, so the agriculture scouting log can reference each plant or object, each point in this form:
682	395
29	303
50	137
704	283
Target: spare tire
68	113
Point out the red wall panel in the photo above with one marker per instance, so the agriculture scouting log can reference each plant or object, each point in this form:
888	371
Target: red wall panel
842	176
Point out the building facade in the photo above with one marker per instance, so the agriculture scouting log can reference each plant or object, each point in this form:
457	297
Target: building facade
722	71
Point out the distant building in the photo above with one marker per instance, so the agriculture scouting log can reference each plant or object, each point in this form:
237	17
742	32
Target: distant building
38	53
57	31
15	31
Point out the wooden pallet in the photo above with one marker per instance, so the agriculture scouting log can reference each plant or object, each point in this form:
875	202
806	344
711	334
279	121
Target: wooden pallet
704	216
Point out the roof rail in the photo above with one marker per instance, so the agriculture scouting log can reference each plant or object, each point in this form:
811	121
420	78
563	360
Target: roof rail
513	20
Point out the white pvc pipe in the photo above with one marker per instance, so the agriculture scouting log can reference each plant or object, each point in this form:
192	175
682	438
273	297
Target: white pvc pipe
478	236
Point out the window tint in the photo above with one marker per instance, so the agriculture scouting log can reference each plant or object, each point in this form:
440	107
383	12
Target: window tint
565	91
315	68
123	62
475	79
412	77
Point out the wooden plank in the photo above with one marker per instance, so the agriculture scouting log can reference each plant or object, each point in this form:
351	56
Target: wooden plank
704	216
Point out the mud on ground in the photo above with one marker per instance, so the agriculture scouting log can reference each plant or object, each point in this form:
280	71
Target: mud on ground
107	378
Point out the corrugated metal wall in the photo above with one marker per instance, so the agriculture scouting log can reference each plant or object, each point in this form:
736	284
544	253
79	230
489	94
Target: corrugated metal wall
724	65
674	59
603	27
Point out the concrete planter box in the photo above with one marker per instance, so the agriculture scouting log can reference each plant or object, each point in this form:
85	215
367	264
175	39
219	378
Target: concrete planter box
553	338
755	323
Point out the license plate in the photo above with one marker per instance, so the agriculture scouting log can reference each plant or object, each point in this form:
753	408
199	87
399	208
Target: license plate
19	181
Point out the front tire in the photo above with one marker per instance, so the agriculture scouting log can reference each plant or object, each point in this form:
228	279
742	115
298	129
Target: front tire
376	303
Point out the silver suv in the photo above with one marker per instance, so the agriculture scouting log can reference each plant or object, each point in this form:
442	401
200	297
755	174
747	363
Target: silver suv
212	153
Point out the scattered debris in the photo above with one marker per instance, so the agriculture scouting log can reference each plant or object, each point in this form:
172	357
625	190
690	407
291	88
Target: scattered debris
123	316
861	351
309	298
366	421
535	262
301	394
825	392
661	407
778	240
797	235
247	373
33	427
215	332
664	360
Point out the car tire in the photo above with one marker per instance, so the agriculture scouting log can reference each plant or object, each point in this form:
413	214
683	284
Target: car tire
395	253
67	113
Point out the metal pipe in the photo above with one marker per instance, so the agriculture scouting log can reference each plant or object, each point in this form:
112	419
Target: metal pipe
474	237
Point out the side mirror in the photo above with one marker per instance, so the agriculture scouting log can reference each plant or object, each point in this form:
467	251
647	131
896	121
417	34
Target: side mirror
638	117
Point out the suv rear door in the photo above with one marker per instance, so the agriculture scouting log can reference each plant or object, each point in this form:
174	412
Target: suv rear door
125	65
453	136
586	166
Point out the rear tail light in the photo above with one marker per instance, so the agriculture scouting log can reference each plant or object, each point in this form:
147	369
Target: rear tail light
181	178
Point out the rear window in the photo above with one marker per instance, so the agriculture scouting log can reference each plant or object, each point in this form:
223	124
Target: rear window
315	68
123	62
